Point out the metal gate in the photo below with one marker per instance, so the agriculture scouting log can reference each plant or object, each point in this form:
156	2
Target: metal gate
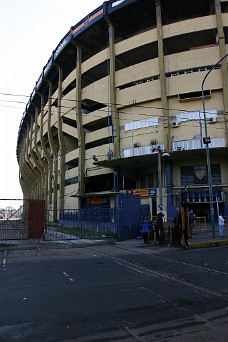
12	224
21	219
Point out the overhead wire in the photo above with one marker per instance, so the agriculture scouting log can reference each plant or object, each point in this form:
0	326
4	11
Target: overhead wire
117	104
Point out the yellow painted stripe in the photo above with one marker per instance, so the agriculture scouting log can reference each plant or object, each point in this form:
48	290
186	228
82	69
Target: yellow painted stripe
85	23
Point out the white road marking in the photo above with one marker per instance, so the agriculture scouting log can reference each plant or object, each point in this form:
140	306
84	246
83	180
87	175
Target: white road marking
67	275
4	262
148	272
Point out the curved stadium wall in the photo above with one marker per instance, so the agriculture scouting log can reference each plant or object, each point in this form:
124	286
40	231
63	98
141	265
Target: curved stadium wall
123	85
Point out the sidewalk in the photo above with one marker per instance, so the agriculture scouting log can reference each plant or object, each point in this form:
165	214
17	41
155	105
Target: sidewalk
199	240
204	239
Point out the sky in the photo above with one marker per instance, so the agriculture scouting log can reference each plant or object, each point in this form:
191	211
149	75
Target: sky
29	31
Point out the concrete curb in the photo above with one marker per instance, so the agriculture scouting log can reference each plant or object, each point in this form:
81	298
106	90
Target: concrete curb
206	244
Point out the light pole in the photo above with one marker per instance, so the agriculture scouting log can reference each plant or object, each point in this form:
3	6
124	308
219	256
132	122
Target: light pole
207	141
159	180
165	155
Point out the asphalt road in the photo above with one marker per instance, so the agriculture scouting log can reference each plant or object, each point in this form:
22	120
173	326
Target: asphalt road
113	293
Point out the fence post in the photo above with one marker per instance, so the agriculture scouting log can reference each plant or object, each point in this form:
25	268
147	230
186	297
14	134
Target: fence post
81	214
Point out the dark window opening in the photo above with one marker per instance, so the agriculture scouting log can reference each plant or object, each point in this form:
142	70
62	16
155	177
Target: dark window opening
91	105
70	122
70	87
190	41
179	10
137	55
137	82
99	142
99	183
226	34
71	181
55	103
194	95
94	74
224	7
98	124
71	164
129	183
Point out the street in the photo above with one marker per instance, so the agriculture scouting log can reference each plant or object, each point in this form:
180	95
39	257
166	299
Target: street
113	293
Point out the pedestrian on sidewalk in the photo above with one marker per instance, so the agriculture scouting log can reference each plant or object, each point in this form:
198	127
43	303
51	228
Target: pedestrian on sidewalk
192	222
145	229
221	222
156	230
177	228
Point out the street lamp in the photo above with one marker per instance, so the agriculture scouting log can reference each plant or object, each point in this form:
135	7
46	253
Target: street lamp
207	141
165	155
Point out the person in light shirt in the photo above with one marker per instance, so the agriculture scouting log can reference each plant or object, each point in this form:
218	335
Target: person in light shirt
221	222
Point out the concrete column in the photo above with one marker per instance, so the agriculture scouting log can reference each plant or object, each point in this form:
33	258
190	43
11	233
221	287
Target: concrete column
81	133
164	99
62	148
29	177
29	174
40	162
35	160
25	185
112	91
54	156
49	168
32	171
222	47
27	181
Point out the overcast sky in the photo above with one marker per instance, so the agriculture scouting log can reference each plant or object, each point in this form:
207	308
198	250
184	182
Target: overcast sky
29	31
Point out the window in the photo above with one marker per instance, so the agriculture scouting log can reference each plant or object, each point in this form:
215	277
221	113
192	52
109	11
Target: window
141	124
186	175
215	174
70	181
211	114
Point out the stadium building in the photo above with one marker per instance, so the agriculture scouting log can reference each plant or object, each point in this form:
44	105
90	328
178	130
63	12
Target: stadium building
118	109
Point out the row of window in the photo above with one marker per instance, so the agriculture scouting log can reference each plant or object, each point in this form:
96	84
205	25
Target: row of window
141	124
177	146
211	114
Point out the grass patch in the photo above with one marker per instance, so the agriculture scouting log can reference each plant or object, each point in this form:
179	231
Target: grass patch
7	245
82	233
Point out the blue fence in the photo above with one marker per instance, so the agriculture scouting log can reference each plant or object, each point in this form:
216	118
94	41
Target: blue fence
80	223
92	223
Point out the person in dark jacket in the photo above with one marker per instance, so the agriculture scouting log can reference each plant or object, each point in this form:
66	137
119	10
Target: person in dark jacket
191	222
177	228
161	227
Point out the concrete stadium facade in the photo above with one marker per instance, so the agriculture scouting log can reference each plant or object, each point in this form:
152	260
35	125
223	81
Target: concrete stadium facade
122	87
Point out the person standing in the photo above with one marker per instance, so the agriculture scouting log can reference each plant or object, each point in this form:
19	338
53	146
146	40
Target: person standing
221	222
145	229
177	228
191	222
161	227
